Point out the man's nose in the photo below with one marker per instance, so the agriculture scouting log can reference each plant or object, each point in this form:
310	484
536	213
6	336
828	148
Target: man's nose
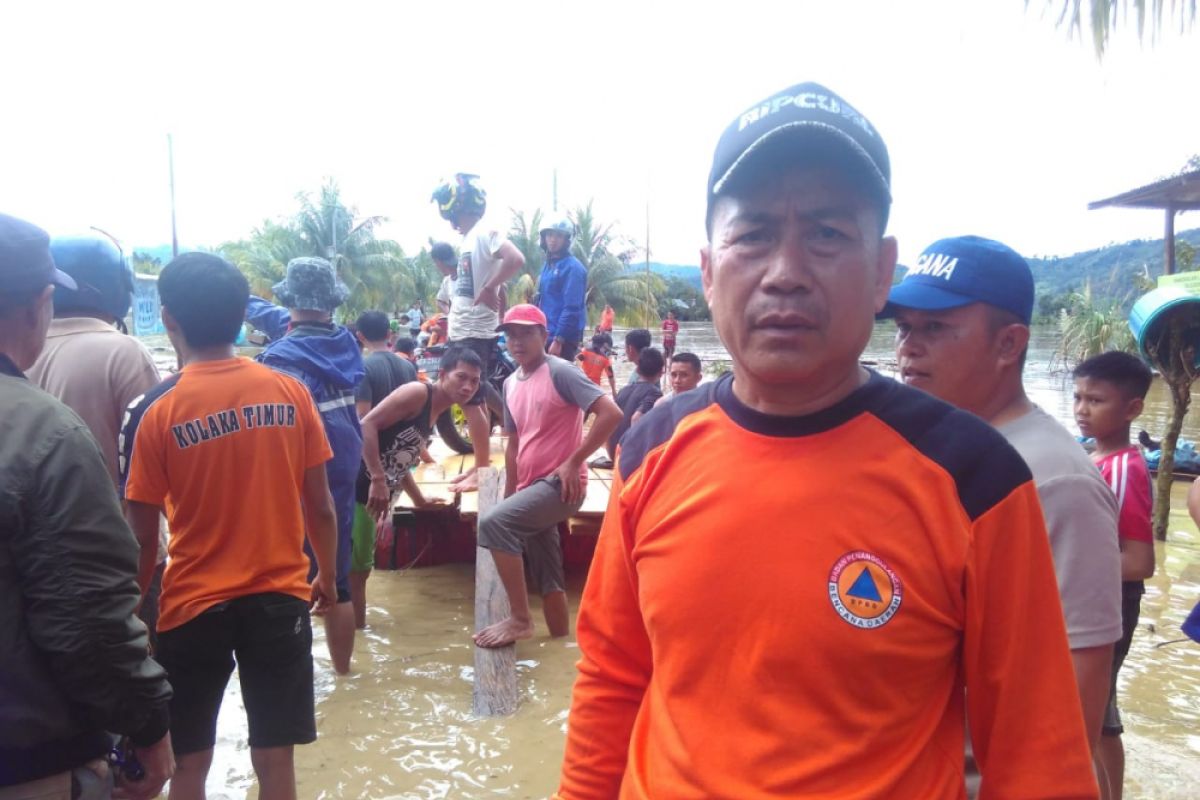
908	344
788	267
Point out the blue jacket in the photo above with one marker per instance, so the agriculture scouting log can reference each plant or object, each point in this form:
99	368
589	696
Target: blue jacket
562	290
328	360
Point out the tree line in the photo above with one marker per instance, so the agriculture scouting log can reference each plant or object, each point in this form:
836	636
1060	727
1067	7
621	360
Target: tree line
382	276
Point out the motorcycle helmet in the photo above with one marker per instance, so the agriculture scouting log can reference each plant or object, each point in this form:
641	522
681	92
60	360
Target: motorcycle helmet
560	224
461	194
104	277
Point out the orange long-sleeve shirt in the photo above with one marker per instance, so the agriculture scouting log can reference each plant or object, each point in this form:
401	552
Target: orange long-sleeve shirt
785	608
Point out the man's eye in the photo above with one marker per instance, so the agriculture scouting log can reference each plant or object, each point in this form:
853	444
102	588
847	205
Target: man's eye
753	236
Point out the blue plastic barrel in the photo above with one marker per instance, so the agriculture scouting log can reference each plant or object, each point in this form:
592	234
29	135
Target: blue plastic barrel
1151	311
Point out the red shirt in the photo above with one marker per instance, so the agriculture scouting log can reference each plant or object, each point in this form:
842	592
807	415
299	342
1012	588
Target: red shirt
670	327
1129	478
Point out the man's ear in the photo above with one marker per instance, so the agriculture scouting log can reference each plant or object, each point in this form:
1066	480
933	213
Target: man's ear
706	272
169	322
1014	340
885	270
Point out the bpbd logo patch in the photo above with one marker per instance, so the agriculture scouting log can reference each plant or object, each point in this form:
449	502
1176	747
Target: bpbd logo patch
864	590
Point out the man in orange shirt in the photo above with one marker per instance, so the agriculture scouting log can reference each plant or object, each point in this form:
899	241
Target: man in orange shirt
235	453
830	628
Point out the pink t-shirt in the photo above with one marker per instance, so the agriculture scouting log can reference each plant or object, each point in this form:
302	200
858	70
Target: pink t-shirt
545	409
1129	478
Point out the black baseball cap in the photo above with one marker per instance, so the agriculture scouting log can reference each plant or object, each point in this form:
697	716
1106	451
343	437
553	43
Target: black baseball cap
815	117
25	260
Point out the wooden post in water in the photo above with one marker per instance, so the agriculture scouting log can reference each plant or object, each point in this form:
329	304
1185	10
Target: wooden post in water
495	693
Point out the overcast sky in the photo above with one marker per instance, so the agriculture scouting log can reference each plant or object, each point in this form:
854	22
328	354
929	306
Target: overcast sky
997	123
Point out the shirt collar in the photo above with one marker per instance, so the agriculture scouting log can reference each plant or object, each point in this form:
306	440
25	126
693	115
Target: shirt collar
66	326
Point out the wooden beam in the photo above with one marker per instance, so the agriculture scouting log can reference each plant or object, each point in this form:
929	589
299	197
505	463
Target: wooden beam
495	692
1169	243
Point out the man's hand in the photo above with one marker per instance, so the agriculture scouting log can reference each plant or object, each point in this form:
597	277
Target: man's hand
379	497
466	482
572	486
429	502
555	348
324	593
158	760
489	297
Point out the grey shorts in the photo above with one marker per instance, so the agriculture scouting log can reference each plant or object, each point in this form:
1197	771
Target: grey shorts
527	522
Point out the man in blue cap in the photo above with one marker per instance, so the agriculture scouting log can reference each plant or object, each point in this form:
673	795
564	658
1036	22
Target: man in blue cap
306	344
962	330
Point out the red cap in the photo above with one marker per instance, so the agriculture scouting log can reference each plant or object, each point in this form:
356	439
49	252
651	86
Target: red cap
523	314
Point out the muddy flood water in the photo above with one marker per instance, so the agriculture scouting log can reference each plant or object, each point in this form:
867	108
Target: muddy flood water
400	726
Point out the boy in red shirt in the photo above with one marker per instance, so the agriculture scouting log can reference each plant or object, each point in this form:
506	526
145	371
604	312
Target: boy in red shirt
1110	391
670	329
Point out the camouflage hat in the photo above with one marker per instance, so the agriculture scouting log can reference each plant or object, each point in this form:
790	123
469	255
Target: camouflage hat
311	285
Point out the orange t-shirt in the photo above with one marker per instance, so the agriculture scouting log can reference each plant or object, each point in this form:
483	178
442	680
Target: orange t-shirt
818	621
594	365
223	447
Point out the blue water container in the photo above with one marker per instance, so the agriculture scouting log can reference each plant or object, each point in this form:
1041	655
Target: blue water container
1149	314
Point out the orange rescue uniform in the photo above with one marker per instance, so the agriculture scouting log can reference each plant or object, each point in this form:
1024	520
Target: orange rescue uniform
817	606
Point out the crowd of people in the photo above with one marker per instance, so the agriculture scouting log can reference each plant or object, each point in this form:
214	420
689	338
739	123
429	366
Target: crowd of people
952	611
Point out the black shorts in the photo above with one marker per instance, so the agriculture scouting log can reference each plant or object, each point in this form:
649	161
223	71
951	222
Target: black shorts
1131	609
271	637
485	349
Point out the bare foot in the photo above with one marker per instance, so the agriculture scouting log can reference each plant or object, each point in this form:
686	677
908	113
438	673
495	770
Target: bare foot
504	632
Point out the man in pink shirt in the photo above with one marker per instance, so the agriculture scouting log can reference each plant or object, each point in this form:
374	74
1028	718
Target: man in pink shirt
545	474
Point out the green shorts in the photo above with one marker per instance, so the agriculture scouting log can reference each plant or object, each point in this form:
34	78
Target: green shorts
362	535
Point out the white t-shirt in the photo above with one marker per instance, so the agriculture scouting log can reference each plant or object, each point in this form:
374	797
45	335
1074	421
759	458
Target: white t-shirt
414	317
476	266
445	291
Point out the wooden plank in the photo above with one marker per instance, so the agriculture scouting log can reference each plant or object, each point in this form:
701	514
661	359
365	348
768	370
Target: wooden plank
495	692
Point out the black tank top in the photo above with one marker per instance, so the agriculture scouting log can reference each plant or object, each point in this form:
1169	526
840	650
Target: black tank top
399	448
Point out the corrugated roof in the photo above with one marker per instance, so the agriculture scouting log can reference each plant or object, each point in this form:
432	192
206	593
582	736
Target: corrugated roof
1181	192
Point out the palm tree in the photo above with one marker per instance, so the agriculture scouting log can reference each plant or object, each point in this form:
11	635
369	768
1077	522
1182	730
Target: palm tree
263	257
1104	16
611	280
375	270
527	238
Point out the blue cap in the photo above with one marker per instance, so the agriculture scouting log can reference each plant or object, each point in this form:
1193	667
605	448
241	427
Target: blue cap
963	270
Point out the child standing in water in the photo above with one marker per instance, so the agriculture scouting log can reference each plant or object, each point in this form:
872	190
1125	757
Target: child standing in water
595	363
1110	392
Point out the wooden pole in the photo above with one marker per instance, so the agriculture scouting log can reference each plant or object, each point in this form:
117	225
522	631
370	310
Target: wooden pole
171	178
495	693
1169	242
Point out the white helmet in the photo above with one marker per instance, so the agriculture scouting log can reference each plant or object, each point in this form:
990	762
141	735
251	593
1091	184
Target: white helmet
560	224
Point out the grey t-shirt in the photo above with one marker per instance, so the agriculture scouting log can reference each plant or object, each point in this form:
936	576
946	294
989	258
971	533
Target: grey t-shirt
1081	518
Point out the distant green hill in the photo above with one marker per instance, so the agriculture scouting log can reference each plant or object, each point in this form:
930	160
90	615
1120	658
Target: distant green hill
684	272
1110	270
